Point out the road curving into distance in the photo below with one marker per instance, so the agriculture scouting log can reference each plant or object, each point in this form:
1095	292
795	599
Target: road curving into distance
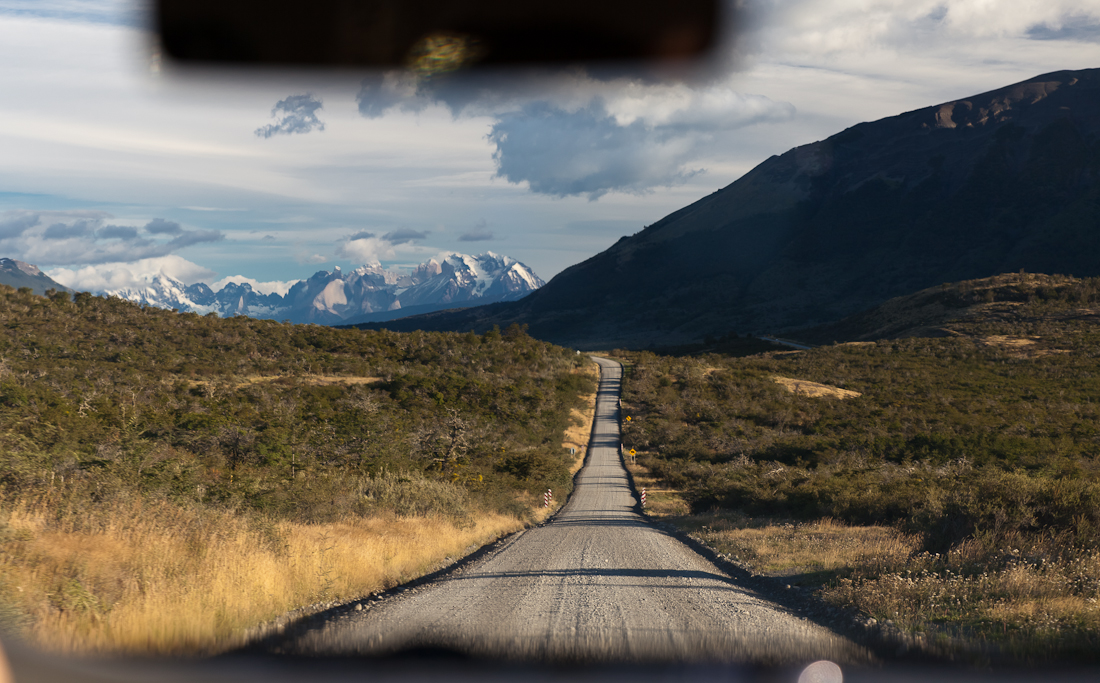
597	583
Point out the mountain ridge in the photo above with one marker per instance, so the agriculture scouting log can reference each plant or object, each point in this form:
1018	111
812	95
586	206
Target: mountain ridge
337	297
1003	180
18	274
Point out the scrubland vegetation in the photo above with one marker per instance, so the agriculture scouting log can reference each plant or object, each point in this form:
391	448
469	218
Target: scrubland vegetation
168	480
958	497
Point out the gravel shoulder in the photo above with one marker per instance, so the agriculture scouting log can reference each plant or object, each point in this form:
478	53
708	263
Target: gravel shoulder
599	582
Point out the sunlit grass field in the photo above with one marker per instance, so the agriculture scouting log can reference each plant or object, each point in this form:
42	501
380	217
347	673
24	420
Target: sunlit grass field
145	577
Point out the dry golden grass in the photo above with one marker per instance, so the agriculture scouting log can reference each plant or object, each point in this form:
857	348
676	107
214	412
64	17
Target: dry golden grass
660	501
1021	347
812	550
157	578
315	380
1007	342
799	386
1037	601
145	577
1022	602
580	431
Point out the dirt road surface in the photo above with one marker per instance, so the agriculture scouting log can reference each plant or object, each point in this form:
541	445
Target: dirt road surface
598	583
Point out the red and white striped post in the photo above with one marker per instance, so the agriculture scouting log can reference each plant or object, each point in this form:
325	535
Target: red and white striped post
643	497
547	498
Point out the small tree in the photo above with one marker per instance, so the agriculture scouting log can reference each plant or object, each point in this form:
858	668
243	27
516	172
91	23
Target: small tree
492	335
515	332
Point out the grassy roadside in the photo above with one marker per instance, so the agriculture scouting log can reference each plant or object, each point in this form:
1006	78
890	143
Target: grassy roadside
943	488
169	480
807	555
157	577
578	434
1033	601
1021	609
143	577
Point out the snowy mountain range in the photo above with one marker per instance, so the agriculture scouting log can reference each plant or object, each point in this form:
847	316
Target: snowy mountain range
366	294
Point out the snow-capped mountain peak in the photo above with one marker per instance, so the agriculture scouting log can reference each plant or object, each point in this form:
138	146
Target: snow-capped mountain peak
161	291
21	266
336	297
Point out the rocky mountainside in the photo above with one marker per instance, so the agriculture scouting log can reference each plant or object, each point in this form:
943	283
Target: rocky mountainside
988	184
366	293
19	274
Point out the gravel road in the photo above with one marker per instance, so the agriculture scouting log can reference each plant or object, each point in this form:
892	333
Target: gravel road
598	583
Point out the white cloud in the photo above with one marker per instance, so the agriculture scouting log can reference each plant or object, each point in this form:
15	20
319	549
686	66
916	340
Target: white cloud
272	287
310	259
366	250
121	12
573	133
833	27
1016	17
841	62
711	108
85	237
111	276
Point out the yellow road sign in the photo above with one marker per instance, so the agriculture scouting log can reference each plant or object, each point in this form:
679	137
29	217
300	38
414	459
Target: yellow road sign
633	452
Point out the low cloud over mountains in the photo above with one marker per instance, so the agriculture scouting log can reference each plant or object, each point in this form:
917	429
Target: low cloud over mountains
86	237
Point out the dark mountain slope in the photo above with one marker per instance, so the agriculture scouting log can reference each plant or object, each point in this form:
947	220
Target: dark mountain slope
1005	180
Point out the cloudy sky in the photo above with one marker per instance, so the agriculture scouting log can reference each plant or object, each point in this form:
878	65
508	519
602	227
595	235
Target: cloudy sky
113	167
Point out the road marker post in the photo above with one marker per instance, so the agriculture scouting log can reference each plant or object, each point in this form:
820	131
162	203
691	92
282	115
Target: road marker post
643	497
547	498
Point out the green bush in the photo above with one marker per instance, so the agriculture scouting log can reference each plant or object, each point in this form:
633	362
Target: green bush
952	437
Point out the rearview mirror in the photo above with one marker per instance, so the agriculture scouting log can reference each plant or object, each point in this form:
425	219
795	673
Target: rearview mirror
435	34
